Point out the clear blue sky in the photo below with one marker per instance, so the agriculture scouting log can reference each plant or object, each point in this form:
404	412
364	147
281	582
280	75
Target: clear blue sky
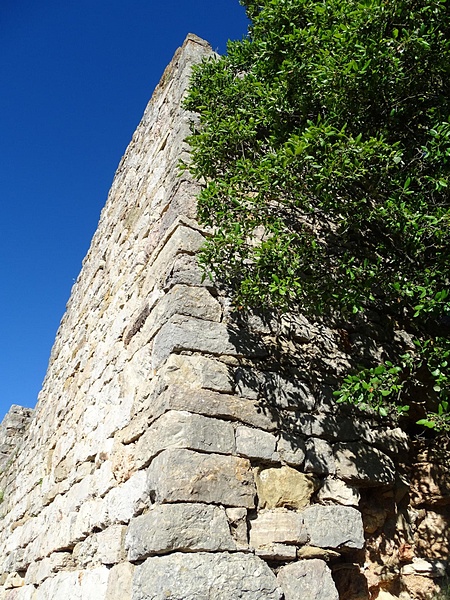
75	77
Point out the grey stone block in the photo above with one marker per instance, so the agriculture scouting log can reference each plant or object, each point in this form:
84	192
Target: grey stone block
187	333
254	443
181	429
319	457
363	465
187	476
186	527
205	576
307	580
334	526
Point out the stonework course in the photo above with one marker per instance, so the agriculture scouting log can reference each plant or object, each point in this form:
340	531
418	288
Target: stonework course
179	451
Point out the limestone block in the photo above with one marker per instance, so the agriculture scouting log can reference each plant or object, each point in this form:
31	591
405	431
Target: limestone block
189	301
186	527
120	582
336	490
326	426
127	500
284	487
319	457
276	551
363	465
338	527
213	404
291	450
91	516
14	580
40	570
237	519
182	240
254	443
286	527
26	592
93	584
307	580
111	544
202	576
186	271
181	429
313	552
103	479
429	568
187	476
187	333
197	371
277	390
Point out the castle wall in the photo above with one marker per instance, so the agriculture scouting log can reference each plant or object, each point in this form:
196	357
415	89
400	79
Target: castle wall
181	451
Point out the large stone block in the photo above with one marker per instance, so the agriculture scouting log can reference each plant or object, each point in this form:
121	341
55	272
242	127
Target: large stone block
284	487
213	404
185	527
254	443
187	333
334	526
280	526
187	476
197	371
363	465
120	582
204	576
307	580
181	429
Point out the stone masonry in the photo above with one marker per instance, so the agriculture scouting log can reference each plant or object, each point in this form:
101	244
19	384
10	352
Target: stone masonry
172	455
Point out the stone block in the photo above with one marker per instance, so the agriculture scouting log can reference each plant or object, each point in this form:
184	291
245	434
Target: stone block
284	487
291	450
188	476
120	582
276	551
111	545
237	519
337	527
203	576
363	465
319	457
254	443
213	404
184	527
197	371
307	580
183	333
336	490
181	429
128	500
277	526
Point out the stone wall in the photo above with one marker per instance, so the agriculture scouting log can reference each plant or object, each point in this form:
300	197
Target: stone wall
179	451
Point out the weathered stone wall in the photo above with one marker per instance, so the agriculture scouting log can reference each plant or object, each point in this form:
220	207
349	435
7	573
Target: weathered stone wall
181	452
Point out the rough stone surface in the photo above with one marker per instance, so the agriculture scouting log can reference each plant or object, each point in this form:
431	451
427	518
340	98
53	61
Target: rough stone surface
277	526
363	465
254	443
187	476
337	527
307	580
205	576
186	527
284	487
336	490
181	429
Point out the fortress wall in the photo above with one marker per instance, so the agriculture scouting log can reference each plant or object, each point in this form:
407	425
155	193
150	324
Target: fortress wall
181	451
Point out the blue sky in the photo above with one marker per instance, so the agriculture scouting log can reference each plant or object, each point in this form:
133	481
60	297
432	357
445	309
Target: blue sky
75	77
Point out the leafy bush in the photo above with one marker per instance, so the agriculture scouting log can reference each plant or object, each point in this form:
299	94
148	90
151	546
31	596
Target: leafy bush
324	144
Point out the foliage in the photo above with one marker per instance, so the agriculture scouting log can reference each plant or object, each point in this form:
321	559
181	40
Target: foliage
323	141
